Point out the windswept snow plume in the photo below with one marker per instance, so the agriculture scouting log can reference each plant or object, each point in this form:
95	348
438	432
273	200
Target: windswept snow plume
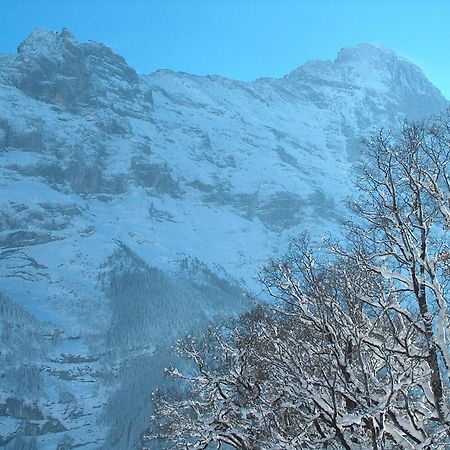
136	208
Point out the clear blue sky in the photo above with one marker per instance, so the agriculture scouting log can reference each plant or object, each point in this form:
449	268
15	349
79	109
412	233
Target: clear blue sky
243	39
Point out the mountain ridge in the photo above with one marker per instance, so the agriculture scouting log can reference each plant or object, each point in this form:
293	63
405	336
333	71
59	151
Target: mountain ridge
136	208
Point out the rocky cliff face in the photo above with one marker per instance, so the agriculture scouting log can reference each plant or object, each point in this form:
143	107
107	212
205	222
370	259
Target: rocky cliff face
54	68
134	209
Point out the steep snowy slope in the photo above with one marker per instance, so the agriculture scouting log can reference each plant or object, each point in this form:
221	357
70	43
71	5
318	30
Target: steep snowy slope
134	209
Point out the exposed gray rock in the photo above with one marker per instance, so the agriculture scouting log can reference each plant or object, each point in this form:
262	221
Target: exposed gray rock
155	176
38	428
282	211
54	68
46	216
84	178
113	123
27	135
17	407
19	239
4	133
109	75
323	206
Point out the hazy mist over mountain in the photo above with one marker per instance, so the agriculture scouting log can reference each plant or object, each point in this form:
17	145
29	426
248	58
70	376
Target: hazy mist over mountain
137	208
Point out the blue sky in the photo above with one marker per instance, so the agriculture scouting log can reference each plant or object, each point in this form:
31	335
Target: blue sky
243	39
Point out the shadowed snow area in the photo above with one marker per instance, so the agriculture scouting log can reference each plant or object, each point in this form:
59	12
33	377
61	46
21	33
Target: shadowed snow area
136	208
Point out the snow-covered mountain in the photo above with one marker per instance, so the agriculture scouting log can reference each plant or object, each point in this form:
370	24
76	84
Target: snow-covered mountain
135	208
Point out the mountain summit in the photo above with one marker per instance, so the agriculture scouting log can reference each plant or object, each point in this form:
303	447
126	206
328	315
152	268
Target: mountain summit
55	68
376	71
136	208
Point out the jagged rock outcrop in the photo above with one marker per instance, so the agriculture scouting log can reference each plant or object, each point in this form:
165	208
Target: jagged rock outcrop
54	68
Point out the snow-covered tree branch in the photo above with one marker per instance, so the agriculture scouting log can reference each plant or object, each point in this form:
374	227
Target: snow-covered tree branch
352	350
405	211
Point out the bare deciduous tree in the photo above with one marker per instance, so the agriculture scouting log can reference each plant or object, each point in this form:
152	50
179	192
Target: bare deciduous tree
405	209
352	351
